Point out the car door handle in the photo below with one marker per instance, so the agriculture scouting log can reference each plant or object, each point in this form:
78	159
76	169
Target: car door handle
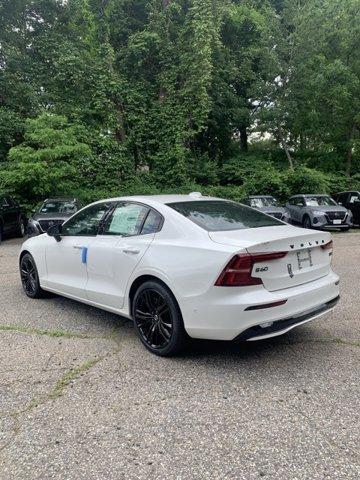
130	251
78	247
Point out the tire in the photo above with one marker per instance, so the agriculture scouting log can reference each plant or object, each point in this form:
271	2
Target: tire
158	319
1	234
21	229
30	277
306	223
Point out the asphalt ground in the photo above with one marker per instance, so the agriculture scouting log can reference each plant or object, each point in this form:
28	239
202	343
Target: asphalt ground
80	398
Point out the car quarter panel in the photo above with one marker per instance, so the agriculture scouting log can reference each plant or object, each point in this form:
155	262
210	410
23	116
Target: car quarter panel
183	257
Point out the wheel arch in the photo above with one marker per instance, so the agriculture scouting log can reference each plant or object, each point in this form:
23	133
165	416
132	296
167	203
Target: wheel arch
304	216
146	278
22	253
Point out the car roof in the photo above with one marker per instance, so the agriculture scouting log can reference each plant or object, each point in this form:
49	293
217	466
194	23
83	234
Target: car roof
61	199
260	196
311	195
347	191
163	199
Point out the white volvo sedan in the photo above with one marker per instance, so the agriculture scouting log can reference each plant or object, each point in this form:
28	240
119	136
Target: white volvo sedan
185	266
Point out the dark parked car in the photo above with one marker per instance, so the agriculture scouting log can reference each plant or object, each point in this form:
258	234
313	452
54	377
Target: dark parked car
318	211
266	204
12	218
351	201
53	211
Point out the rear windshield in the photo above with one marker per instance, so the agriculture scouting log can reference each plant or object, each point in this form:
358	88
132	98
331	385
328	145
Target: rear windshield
261	202
219	216
58	206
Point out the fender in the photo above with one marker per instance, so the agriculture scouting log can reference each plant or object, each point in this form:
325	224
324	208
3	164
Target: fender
154	272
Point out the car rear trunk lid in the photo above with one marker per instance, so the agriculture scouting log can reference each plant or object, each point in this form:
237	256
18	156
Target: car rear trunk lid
304	261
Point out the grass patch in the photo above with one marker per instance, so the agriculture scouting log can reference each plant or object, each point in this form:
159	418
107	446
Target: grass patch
39	331
71	375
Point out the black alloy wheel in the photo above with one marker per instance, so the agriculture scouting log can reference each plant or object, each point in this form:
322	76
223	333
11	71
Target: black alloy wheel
158	319
307	222
30	278
21	230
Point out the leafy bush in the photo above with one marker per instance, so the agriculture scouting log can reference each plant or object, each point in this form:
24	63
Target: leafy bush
306	180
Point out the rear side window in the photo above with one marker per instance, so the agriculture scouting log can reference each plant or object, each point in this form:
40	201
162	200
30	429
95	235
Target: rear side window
218	216
152	223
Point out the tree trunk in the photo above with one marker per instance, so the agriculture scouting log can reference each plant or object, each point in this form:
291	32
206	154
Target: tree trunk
302	142
120	130
349	157
243	138
286	148
349	153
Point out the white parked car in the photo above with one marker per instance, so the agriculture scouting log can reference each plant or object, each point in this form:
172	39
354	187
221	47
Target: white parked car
185	265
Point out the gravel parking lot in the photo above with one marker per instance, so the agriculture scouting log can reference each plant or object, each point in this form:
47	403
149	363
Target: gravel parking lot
80	398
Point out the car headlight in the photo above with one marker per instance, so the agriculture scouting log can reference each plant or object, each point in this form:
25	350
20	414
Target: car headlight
34	224
317	212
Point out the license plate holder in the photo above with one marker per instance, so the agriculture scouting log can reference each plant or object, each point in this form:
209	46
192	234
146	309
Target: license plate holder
304	256
337	222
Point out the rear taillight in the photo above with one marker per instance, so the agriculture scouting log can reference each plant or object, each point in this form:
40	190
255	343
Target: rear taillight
328	245
329	248
237	272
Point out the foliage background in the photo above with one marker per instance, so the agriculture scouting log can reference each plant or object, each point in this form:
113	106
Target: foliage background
231	97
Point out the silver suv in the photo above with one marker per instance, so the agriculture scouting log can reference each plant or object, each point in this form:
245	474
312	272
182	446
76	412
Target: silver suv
318	211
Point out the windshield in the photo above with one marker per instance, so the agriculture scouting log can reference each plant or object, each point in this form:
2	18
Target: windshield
58	206
218	216
263	202
319	201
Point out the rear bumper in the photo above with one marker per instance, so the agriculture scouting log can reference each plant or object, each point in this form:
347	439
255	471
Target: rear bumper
223	312
279	327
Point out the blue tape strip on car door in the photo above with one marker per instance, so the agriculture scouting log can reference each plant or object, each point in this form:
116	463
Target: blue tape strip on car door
84	254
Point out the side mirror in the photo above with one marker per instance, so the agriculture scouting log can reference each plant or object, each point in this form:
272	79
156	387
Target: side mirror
55	231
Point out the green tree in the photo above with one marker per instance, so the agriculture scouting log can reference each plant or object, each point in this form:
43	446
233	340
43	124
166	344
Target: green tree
52	159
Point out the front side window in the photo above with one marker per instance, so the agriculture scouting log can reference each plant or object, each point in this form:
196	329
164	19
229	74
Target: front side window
4	202
86	222
11	202
126	220
319	201
355	198
297	202
215	215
